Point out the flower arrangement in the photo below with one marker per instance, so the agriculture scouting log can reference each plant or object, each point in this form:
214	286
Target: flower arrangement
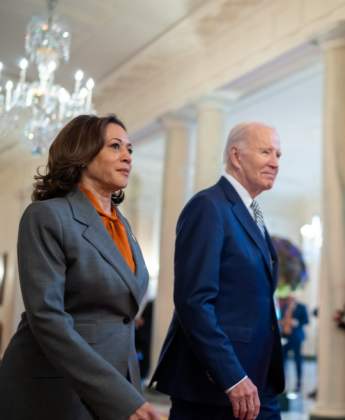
292	269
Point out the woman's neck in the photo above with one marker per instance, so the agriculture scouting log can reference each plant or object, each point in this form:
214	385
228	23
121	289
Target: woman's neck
103	196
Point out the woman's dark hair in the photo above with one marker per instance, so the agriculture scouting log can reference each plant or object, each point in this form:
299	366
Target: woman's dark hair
76	144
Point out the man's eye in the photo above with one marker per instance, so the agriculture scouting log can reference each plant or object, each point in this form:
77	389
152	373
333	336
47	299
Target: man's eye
265	151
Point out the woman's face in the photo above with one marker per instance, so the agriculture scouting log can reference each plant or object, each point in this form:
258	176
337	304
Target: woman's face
110	169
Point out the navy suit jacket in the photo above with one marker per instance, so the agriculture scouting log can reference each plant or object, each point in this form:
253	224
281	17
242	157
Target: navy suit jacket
301	314
224	324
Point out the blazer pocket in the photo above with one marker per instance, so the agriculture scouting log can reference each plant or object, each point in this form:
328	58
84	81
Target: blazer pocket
43	368
87	330
239	333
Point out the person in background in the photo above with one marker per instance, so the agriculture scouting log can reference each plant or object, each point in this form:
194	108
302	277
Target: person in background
339	318
294	316
82	278
143	334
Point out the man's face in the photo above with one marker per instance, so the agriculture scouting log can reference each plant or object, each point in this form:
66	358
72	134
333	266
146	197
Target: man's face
259	161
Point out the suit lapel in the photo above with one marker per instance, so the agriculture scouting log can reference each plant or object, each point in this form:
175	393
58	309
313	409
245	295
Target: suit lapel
98	236
246	220
274	257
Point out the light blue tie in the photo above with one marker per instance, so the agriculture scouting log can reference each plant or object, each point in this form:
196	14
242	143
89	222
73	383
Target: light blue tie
258	217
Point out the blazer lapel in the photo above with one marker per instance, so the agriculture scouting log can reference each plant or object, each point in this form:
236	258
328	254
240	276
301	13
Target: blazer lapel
246	220
97	234
141	272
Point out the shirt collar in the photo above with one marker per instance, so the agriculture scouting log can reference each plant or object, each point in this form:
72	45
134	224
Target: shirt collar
112	217
241	191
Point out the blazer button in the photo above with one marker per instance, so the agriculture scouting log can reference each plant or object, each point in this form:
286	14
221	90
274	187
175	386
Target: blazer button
126	320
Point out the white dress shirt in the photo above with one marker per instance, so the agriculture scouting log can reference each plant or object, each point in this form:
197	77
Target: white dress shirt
241	191
247	200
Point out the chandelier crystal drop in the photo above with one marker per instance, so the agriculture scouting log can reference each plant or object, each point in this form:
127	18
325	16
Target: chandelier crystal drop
37	111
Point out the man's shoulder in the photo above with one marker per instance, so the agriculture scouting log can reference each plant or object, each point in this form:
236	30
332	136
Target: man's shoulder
209	200
215	192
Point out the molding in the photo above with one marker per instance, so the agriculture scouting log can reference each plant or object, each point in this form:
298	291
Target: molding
197	56
331	37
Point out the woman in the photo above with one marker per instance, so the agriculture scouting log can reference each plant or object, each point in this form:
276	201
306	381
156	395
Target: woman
82	277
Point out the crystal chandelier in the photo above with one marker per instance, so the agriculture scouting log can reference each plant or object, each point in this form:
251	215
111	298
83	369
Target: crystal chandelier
37	111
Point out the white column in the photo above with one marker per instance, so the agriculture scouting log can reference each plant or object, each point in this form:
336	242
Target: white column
209	142
175	184
130	206
331	381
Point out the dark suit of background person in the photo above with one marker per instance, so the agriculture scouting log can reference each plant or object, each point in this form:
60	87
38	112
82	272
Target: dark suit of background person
224	327
296	336
73	355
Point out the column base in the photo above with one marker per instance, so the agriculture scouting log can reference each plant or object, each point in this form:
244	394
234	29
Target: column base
324	417
325	413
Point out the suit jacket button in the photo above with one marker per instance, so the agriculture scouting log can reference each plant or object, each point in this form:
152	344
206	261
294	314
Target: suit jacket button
126	320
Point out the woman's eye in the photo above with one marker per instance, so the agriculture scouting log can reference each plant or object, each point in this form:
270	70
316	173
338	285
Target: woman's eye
130	151
115	145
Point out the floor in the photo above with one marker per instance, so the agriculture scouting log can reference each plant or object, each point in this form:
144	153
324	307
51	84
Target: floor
300	404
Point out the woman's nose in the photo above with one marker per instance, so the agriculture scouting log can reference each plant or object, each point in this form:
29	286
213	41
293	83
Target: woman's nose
127	156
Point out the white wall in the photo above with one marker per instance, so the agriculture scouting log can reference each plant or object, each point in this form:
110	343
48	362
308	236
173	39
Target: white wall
15	191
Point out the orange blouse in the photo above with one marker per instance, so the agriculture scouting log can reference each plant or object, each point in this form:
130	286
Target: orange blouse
115	228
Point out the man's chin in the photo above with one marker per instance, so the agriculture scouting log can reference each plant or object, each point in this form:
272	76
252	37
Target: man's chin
269	185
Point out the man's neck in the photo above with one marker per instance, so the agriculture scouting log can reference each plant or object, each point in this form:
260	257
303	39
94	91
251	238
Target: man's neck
235	174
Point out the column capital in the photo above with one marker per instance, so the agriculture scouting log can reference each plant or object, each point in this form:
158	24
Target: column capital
176	120
218	100
331	37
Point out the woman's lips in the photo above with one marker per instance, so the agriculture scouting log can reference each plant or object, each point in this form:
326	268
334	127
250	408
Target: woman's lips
124	171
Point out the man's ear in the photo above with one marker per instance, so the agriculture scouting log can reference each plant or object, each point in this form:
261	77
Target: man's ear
235	157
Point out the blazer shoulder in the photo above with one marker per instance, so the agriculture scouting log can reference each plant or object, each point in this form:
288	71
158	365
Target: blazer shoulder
43	210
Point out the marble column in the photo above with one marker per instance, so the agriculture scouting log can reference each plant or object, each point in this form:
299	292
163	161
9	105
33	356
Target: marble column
209	142
174	195
331	377
130	206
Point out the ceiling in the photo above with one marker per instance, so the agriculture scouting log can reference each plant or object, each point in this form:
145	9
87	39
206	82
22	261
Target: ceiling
105	34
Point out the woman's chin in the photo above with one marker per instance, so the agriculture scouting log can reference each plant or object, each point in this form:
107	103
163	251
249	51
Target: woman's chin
120	186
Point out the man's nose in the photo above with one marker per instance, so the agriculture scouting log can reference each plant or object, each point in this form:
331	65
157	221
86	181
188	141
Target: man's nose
274	161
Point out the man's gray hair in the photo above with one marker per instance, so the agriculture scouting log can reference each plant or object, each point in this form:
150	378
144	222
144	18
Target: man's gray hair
240	134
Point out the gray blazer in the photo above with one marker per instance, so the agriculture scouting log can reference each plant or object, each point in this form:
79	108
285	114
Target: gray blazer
73	355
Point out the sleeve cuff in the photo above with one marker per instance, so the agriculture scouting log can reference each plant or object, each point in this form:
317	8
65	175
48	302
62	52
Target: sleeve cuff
230	389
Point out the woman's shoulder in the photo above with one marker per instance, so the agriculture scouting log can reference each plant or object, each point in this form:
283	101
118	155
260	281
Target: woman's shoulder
47	209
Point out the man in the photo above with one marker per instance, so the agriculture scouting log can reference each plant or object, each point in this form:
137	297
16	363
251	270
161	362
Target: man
222	356
294	316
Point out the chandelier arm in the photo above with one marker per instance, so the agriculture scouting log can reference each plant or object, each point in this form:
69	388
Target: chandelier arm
35	112
51	5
